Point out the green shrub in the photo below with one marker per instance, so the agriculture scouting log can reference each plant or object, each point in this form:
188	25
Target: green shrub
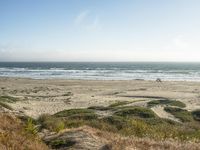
83	116
135	111
102	125
70	112
119	103
74	123
8	99
25	119
31	127
100	108
116	121
80	114
5	105
160	121
133	121
166	102
136	127
179	113
52	123
68	94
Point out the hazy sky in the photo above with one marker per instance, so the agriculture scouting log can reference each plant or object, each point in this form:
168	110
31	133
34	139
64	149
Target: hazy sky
99	30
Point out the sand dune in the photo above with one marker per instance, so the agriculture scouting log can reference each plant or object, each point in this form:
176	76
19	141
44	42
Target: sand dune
50	96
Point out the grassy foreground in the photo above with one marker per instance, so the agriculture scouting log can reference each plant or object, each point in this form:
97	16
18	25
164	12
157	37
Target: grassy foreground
130	126
128	121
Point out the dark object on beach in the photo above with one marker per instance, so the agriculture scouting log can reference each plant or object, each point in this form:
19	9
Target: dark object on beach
158	80
139	79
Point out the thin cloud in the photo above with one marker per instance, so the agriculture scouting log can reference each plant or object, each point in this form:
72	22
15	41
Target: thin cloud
81	17
95	24
87	20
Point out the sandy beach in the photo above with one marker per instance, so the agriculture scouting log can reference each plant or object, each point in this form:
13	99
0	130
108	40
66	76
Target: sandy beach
48	96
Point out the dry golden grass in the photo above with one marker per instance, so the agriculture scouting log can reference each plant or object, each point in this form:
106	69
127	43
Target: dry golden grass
118	142
14	137
148	144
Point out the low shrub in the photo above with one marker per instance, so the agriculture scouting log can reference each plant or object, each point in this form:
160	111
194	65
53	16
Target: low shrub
14	135
135	111
100	108
166	102
183	115
119	103
31	127
68	94
8	99
70	112
52	123
134	121
83	116
3	104
116	121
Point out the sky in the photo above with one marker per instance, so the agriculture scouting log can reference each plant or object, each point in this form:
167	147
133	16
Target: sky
100	30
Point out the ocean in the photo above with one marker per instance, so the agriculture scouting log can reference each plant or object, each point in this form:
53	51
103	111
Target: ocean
102	70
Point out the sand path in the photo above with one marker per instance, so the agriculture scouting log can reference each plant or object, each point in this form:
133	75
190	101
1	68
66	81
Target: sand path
159	110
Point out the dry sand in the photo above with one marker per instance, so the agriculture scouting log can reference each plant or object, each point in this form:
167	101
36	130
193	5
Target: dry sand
50	96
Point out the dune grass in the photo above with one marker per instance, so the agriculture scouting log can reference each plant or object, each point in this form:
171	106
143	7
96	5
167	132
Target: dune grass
8	99
119	103
166	102
4	100
114	106
3	104
127	121
122	103
51	123
135	111
13	135
68	94
156	129
183	115
70	112
86	114
100	108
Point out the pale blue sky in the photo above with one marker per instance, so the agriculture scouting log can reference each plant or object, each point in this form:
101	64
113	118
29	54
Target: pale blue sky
99	30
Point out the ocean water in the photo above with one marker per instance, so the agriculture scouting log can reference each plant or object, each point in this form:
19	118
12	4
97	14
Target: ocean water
102	70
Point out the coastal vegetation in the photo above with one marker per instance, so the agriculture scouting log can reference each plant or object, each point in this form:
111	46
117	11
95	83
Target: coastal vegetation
5	100
14	134
128	121
130	118
123	121
182	114
51	123
4	105
166	102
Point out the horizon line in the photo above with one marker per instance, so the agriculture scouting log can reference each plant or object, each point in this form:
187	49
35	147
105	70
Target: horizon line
99	61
